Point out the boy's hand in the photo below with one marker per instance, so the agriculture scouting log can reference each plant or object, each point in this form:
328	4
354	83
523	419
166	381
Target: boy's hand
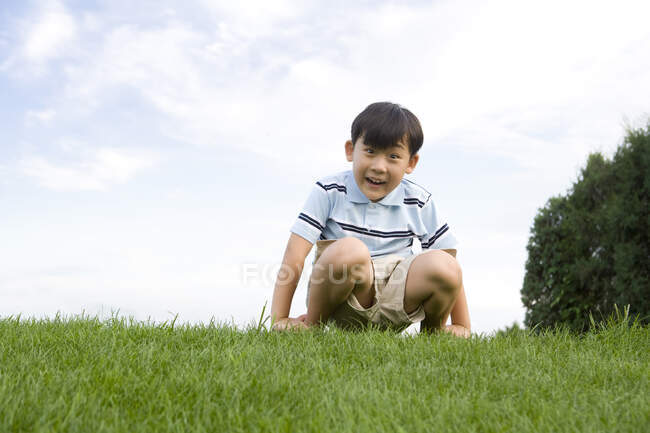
457	330
291	323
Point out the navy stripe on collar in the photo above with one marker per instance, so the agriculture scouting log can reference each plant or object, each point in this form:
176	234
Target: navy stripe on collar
413	200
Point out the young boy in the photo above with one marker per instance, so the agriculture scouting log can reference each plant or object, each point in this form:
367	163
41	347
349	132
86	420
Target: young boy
363	222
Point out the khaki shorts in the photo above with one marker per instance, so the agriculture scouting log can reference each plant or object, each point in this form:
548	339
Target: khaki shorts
387	309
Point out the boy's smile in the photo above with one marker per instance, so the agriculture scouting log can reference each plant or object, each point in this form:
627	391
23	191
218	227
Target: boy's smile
378	172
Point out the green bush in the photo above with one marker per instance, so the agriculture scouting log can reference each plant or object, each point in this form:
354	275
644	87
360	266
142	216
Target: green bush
589	250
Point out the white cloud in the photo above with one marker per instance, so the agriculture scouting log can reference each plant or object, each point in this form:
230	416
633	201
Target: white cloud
33	117
256	18
48	36
264	74
95	169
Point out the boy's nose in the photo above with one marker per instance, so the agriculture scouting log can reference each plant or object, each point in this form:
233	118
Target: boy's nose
378	166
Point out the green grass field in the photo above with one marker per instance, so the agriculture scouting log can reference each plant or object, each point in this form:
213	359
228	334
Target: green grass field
87	375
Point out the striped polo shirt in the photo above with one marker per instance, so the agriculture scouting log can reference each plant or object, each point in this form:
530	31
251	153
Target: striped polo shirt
336	208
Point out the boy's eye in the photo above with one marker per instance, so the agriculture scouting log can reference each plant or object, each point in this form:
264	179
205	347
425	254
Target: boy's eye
369	150
394	156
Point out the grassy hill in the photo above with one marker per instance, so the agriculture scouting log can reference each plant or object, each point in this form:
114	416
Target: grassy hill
83	374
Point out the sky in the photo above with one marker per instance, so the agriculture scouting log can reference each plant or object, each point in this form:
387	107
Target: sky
153	155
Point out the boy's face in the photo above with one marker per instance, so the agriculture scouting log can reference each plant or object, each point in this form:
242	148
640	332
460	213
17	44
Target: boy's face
387	167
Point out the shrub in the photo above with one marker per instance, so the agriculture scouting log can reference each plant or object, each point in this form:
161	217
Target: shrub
589	250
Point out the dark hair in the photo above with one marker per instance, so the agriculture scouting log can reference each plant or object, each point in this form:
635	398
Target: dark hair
383	124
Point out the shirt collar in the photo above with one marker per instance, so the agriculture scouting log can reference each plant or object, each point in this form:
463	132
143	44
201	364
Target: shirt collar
395	198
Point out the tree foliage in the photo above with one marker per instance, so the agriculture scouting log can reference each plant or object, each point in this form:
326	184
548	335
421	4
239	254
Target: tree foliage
589	250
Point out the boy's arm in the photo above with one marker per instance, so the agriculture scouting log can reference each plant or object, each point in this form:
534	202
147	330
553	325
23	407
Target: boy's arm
460	322
288	276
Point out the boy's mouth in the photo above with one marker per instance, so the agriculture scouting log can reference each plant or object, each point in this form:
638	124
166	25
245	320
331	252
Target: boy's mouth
374	182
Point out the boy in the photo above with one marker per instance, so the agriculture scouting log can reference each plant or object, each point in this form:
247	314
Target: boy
363	222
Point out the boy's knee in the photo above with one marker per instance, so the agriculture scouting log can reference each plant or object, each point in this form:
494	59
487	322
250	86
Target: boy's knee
347	251
443	269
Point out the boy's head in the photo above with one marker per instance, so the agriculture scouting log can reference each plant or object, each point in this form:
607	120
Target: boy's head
385	140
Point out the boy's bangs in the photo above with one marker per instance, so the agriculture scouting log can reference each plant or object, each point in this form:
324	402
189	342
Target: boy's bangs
387	134
384	124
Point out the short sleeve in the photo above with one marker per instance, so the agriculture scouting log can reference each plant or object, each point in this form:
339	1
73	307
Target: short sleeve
439	235
315	212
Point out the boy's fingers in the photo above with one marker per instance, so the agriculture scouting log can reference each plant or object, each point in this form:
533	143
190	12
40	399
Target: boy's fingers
298	324
280	325
458	331
286	324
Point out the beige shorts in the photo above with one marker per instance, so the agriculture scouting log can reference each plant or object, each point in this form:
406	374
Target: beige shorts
387	309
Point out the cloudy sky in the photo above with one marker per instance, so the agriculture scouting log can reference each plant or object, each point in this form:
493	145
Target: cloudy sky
154	154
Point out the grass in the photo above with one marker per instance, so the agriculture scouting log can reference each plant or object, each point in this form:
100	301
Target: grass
84	374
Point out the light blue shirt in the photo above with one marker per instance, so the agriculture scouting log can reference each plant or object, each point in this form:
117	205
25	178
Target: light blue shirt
336	208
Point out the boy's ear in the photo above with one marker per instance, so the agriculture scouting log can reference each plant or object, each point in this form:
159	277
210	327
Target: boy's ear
412	163
349	150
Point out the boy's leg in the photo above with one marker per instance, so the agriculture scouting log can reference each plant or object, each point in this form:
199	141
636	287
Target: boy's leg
434	280
344	267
